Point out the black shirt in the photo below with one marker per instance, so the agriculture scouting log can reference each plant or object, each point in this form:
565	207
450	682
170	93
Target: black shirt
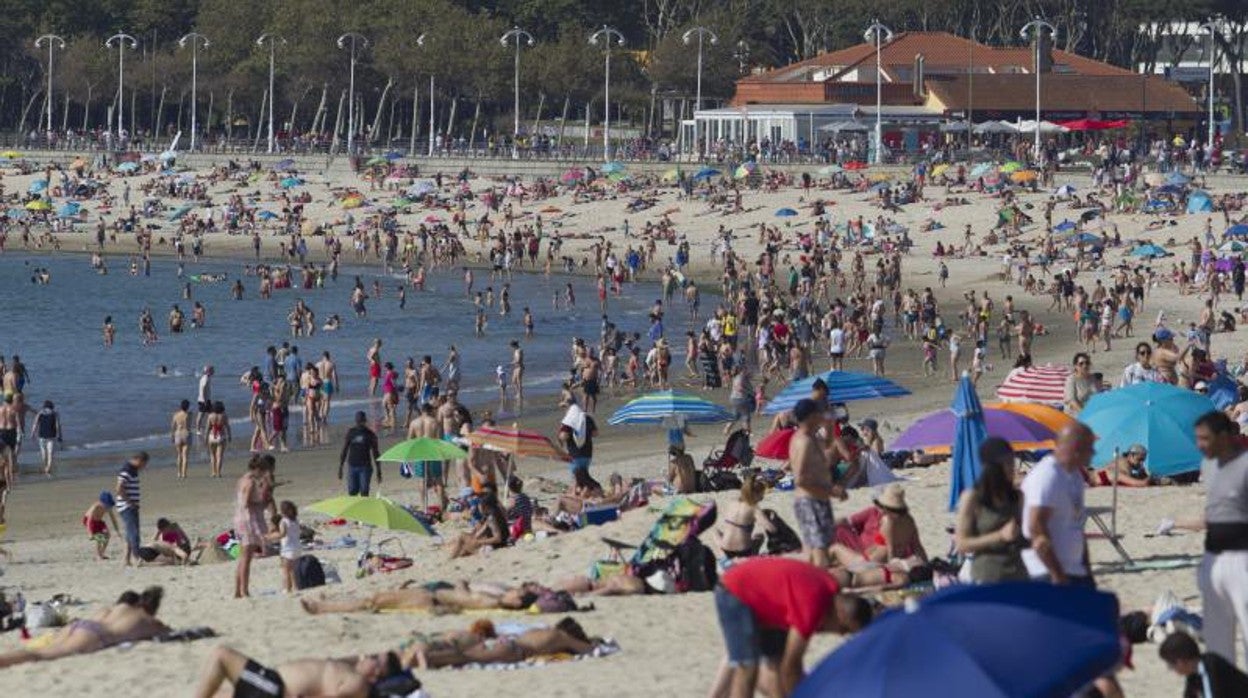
585	450
360	443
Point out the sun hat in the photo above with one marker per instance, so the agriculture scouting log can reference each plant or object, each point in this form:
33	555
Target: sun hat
893	498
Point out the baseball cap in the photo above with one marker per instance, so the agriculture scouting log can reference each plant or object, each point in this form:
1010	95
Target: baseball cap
1162	334
869	424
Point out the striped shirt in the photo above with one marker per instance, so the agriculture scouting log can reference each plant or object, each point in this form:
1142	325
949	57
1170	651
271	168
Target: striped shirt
128	481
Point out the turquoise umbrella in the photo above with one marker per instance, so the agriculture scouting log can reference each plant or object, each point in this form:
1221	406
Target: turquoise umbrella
182	211
1159	416
291	182
656	407
613	167
1149	250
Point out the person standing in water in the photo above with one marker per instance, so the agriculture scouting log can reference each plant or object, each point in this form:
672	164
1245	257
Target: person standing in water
329	383
180	435
517	371
374	367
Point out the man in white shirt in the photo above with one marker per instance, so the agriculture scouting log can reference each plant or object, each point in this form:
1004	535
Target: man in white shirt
1142	371
204	398
1054	513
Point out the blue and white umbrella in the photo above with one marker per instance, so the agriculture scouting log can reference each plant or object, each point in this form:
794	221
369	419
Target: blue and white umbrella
655	408
970	433
843	386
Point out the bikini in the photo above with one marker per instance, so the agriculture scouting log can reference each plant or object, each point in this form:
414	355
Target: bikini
748	551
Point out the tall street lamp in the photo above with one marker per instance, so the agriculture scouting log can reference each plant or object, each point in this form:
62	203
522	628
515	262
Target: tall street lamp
1212	28
273	40
701	33
354	39
196	40
1037	27
53	41
881	35
122	42
517	34
604	36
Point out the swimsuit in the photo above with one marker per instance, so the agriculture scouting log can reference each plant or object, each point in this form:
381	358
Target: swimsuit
258	681
8	438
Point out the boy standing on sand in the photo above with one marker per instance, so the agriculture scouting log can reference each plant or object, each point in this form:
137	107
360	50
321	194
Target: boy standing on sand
97	529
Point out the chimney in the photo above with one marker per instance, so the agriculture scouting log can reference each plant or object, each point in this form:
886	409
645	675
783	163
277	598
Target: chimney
917	77
1045	53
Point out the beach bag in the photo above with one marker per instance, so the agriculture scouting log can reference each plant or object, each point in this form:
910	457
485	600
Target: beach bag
695	567
309	573
783	539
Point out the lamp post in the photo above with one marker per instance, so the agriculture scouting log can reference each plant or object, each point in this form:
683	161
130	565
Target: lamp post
605	35
1211	27
420	41
53	41
701	33
273	40
354	39
518	35
881	35
1037	27
122	42
196	39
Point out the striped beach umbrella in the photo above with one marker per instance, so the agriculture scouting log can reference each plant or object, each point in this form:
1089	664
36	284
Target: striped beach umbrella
843	386
656	407
1044	384
516	441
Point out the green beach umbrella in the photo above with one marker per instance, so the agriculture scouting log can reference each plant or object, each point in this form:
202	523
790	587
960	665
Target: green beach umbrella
372	511
423	448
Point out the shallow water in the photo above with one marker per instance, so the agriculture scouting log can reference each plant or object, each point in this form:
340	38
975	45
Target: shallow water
113	399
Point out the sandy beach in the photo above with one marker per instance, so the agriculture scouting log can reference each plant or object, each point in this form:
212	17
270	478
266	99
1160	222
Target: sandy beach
670	644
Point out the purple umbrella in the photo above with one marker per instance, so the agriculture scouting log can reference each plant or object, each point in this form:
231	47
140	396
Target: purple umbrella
936	431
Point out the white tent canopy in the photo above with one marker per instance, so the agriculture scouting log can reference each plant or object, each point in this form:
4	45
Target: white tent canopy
995	127
1029	126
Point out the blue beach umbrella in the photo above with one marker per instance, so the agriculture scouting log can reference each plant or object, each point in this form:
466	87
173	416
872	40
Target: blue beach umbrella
284	165
393	155
1149	250
1064	226
656	407
1086	238
68	209
1177	179
786	213
1237	230
1160	416
706	173
38	186
991	641
613	167
970	433
290	182
983	168
128	167
843	386
421	188
1199	202
1223	390
181	211
267	216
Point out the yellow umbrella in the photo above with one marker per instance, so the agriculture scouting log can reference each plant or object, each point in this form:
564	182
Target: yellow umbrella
939	169
38	205
10	154
353	202
879	177
1023	176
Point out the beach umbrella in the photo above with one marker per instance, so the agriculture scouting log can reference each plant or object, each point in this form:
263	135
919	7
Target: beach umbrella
855	165
421	189
1086	238
422	449
1024	176
938	431
180	212
983	168
987	641
970	433
572	175
744	170
828	170
1065	190
878	187
1178	179
1160	416
1149	250
68	209
1223	389
432	219
1065	226
1237	230
393	156
1011	167
38	205
267	216
1051	417
706	173
1043	384
665	404
516	441
16	213
785	213
939	169
128	167
1199	202
290	182
372	511
10	155
843	386
353	202
402	201
375	161
613	167
775	445
284	165
37	186
671	175
1231	246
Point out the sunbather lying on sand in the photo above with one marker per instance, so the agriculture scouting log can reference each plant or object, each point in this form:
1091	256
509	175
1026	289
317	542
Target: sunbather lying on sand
435	596
363	676
131	619
566	637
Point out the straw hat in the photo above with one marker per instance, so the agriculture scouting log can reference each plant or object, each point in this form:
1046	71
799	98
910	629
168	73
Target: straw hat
893	499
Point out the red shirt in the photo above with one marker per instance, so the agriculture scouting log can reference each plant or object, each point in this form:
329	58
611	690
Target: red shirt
783	593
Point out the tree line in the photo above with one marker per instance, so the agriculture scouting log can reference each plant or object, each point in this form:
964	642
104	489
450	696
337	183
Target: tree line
653	79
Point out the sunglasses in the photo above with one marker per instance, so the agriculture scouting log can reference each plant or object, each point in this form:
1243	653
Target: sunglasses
1083	362
1144	353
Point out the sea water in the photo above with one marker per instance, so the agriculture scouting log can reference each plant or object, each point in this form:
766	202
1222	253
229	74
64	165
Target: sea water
115	399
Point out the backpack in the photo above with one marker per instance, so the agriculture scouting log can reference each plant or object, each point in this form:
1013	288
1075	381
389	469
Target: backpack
695	567
309	573
783	539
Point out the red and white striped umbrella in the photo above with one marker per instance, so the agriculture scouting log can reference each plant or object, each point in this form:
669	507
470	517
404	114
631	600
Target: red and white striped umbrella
516	441
1044	384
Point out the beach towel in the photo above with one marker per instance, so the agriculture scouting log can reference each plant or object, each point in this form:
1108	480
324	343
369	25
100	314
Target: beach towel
606	648
878	474
576	420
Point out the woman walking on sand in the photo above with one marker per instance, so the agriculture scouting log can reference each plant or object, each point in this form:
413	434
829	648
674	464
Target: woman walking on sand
254	501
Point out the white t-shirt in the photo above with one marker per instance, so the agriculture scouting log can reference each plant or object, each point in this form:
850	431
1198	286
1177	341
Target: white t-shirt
291	546
836	341
205	388
1050	485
